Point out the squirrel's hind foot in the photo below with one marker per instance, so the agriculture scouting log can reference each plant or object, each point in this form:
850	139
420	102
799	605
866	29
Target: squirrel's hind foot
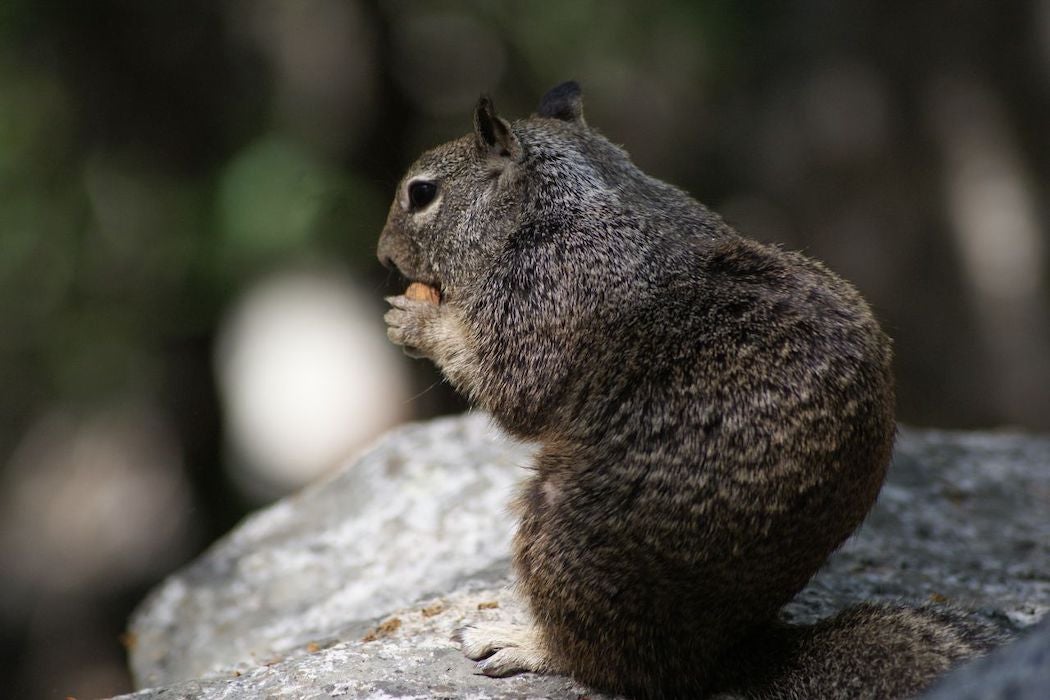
504	649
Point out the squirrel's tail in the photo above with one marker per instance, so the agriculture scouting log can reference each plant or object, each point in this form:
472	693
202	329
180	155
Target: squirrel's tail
866	651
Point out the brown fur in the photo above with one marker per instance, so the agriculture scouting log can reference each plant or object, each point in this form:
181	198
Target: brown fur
715	415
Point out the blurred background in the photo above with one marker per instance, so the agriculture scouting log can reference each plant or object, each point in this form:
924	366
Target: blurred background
190	195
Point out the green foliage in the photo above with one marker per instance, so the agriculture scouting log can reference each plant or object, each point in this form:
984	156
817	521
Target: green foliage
270	198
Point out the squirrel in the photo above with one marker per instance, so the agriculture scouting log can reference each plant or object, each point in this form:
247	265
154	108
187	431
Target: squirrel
714	416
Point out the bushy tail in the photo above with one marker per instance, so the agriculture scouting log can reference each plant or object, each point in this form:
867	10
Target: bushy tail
866	651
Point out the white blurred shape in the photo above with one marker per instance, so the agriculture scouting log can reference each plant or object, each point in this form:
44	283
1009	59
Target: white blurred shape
92	503
990	199
995	223
307	377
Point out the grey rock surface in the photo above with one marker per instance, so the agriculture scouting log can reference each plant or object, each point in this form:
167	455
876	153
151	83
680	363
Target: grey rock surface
1018	671
352	588
403	654
424	507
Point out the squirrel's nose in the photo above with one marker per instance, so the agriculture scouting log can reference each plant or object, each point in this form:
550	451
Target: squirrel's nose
383	251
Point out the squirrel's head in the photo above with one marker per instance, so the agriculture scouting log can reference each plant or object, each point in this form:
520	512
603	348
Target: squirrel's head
457	205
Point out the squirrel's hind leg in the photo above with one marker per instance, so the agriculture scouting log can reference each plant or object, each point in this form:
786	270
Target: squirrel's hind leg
503	649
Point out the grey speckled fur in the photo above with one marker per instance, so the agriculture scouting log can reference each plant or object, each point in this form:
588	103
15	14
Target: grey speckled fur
715	416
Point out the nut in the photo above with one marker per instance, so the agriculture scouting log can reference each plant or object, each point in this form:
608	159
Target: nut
417	291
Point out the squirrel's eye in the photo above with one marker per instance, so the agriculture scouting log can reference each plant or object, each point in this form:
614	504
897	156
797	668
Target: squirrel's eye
421	193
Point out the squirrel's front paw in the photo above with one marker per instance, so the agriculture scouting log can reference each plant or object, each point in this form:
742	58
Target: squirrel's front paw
407	323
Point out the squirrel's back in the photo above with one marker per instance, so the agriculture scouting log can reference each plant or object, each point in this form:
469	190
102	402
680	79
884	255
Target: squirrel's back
722	437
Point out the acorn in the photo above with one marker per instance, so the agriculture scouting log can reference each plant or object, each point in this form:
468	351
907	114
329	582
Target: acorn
417	291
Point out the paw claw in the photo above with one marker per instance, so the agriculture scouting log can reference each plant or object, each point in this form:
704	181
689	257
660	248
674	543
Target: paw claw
509	661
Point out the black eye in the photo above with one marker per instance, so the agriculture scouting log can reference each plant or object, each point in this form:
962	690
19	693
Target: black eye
421	193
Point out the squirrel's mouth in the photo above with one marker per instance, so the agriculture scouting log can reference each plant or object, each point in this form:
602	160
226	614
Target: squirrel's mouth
399	257
405	282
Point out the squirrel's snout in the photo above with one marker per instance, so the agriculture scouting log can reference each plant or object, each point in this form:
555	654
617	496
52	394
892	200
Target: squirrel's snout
385	250
388	261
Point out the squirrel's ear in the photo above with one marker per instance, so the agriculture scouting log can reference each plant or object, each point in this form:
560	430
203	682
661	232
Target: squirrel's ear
563	102
493	133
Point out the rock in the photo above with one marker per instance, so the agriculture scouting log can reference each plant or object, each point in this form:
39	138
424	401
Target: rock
353	587
425	507
1019	671
405	653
